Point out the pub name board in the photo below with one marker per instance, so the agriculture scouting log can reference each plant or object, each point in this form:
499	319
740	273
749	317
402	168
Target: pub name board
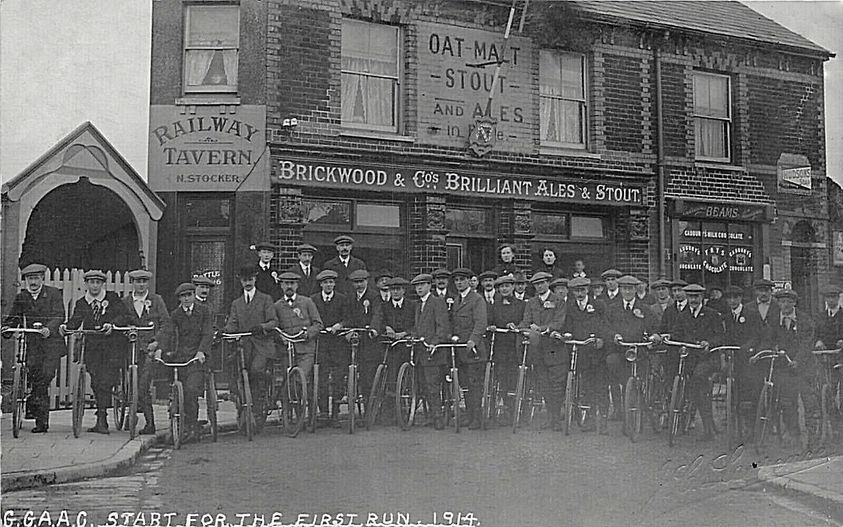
456	71
207	151
722	211
424	179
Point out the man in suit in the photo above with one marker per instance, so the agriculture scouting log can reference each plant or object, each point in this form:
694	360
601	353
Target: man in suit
189	335
830	323
670	317
545	313
661	289
505	311
397	323
559	286
296	313
644	296
144	308
701	325
252	311
382	280
39	304
333	308
203	288
344	264
584	318
612	294
431	324
715	299
487	286
442	284
768	311
365	310
468	325
521	292
741	326
102	310
308	283
266	280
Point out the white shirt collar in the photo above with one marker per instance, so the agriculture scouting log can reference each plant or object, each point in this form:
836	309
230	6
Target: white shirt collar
465	293
630	303
697	311
264	266
293	298
398	303
425	297
89	299
545	296
140	298
583	303
612	294
737	311
249	295
326	297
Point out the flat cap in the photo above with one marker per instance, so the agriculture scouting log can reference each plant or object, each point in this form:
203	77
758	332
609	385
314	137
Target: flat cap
359	274
628	280
94	274
288	276
423	278
786	293
343	238
678	283
694	289
598	283
306	248
661	283
559	281
265	245
487	274
579	281
733	290
610	273
203	280
441	273
383	273
505	279
33	268
763	283
186	287
398	282
326	274
715	286
140	274
831	289
247	270
462	271
541	275
520	277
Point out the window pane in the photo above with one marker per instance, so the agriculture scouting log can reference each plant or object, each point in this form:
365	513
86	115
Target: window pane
326	212
711	95
211	68
711	138
214	26
206	212
562	121
368	100
552	224
571	68
369	215
369	48
550	76
469	221
585	227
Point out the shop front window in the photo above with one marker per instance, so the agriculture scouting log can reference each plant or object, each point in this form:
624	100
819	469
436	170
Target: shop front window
571	237
716	253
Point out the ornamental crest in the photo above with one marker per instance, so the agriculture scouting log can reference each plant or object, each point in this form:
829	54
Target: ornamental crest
482	138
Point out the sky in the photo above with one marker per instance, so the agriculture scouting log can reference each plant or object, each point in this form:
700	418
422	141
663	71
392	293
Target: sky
64	62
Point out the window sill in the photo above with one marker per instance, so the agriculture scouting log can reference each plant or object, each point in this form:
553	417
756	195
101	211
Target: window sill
366	134
547	150
719	165
207	100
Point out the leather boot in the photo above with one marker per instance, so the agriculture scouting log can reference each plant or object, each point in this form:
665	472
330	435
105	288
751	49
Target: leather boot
149	425
102	424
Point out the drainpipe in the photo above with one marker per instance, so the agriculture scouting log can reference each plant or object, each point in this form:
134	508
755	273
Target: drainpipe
660	183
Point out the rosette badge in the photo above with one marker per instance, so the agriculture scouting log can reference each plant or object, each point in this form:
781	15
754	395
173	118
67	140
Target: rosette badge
104	306
637	312
589	308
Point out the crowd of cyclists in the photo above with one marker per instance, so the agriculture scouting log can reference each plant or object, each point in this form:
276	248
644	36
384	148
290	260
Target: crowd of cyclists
453	320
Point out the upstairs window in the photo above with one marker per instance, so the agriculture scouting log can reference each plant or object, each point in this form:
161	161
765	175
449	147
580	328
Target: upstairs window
370	76
211	47
712	116
562	106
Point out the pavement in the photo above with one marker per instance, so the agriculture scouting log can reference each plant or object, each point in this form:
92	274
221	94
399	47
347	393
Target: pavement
819	481
33	460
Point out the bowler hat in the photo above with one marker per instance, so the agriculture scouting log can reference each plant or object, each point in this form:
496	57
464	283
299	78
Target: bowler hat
343	238
94	274
247	271
383	273
422	278
265	245
185	287
359	274
786	293
33	268
140	274
326	274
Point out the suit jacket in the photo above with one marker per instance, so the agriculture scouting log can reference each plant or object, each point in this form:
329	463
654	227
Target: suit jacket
742	332
114	312
155	312
506	310
259	312
630	325
549	314
468	322
265	283
333	312
434	326
582	323
670	318
706	326
185	335
48	310
830	329
308	285
798	341
343	284
400	320
302	315
659	309
366	311
618	299
765	337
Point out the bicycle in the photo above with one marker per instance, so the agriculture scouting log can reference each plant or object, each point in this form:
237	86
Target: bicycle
521	388
126	395
378	393
451	390
768	412
829	392
572	381
176	407
355	399
680	406
492	402
733	420
21	389
635	391
294	395
81	384
406	385
245	415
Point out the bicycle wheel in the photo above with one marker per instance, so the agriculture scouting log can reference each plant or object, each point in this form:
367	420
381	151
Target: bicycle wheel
826	408
519	398
211	404
733	432
78	411
247	416
632	409
487	400
677	401
351	394
314	400
177	416
119	399
763	415
569	401
132	421
456	392
405	396
376	396
294	398
18	398
262	403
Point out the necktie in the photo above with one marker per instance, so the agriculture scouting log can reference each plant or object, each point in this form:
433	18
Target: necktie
736	316
424	303
628	306
290	302
787	323
248	298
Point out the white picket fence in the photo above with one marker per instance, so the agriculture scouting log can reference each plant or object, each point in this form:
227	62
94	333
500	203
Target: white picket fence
72	286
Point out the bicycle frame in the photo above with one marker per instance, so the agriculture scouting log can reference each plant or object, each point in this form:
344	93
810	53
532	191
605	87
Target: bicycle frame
407	371
489	402
130	384
294	402
455	391
20	388
78	402
354	398
680	415
634	392
247	424
733	423
768	399
177	417
827	389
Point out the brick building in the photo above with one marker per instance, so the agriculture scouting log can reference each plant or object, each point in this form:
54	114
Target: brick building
661	138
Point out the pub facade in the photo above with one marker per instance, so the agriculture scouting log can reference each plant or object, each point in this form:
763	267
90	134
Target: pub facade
663	145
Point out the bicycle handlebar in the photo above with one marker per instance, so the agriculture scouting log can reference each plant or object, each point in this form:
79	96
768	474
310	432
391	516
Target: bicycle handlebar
236	336
567	338
301	336
178	364
409	341
769	354
346	331
826	352
634	344
23	330
725	349
151	326
503	330
688	345
81	331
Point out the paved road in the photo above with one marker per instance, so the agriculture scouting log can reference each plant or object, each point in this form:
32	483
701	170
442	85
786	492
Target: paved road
529	479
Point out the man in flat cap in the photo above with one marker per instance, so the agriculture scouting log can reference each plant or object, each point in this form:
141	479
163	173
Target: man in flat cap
344	263
715	299
308	283
671	315
560	287
333	308
266	279
644	296
39	306
382	280
505	311
296	313
366	309
143	308
521	292
830	323
431	323
442	284
661	290
104	355
188	335
612	294
468	325
767	309
741	326
487	286
253	311
203	288
545	312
